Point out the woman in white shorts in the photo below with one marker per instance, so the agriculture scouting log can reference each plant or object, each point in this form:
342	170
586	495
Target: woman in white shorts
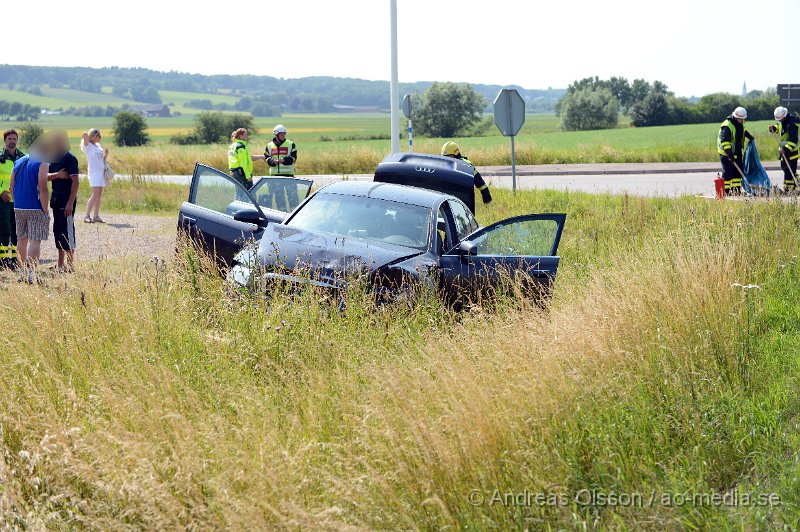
96	161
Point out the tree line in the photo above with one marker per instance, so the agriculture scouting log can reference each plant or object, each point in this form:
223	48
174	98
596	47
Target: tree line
18	111
309	94
593	103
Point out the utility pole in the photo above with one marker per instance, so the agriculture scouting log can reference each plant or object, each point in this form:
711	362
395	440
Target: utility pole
394	90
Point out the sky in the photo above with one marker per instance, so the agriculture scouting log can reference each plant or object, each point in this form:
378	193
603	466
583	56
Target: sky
696	47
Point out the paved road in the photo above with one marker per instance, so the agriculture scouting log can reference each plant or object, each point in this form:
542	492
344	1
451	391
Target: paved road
670	185
645	179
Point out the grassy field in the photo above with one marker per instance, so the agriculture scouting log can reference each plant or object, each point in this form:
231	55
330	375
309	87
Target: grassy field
54	98
340	143
653	378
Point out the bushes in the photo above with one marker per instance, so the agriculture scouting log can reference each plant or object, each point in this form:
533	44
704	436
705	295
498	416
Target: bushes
446	109
654	105
587	109
211	127
130	129
29	133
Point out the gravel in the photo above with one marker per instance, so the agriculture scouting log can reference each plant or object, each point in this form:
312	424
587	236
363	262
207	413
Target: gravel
122	234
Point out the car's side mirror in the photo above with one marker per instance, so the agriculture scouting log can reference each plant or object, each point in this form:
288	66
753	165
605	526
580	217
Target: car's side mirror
466	249
250	216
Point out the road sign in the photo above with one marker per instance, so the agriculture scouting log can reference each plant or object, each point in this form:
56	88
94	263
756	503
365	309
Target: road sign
509	115
789	95
407	105
509	112
407	112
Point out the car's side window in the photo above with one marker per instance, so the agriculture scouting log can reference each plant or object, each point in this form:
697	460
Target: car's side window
281	194
214	191
465	222
532	238
442	232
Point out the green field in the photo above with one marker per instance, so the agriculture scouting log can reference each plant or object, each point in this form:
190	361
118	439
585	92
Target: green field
164	401
340	143
53	98
177	100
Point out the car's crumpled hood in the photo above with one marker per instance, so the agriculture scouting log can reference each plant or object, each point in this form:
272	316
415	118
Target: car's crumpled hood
327	258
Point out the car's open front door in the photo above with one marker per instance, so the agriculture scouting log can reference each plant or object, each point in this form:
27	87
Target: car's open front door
220	214
519	252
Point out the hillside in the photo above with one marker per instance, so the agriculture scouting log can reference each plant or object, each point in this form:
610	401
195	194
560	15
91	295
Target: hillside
76	87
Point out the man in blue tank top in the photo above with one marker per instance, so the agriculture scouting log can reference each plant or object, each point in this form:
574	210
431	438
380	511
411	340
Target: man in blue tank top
31	209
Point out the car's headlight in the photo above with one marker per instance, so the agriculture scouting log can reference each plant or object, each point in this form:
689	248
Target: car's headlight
241	274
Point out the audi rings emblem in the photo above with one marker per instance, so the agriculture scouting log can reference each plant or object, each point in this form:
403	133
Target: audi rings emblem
426	170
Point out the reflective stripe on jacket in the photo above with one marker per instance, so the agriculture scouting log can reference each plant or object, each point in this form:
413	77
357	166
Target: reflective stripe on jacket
480	184
728	141
787	131
286	149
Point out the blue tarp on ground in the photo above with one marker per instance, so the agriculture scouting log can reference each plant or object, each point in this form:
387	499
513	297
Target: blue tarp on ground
757	182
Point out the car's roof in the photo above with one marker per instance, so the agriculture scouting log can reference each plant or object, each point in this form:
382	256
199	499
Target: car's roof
387	191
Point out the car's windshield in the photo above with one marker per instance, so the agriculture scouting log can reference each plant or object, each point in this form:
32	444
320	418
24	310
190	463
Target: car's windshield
368	218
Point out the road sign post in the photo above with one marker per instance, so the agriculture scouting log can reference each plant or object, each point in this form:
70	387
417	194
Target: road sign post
407	113
509	116
394	86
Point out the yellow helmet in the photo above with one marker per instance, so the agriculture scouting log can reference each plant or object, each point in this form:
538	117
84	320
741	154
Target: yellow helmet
450	148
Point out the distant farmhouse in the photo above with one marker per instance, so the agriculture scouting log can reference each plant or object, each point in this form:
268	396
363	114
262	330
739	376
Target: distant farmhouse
148	111
356	108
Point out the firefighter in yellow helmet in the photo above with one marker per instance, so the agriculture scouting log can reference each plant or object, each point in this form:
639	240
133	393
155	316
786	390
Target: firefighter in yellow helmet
450	149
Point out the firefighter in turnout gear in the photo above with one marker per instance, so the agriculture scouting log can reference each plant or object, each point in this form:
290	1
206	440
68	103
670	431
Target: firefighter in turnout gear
281	153
788	153
240	162
730	146
8	229
450	149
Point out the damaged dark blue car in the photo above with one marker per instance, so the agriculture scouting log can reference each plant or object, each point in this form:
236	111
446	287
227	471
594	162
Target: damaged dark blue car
398	237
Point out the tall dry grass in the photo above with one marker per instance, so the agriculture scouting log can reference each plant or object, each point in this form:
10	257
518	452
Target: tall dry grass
141	395
363	158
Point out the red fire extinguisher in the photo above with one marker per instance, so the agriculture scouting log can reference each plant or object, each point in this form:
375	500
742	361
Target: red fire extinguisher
719	187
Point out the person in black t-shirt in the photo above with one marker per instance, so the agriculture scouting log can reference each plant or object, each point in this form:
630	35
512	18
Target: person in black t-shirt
64	176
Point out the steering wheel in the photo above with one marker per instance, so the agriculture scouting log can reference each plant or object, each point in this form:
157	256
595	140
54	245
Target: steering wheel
402	240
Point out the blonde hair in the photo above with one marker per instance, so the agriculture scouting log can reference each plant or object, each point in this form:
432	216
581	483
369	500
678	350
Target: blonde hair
238	133
93	133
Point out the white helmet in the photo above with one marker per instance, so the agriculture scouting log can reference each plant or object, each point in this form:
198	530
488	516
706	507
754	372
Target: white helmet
740	112
278	129
780	113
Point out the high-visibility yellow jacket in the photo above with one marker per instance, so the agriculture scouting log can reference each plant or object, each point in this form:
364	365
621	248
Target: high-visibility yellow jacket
480	184
277	153
6	167
730	141
239	157
787	131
